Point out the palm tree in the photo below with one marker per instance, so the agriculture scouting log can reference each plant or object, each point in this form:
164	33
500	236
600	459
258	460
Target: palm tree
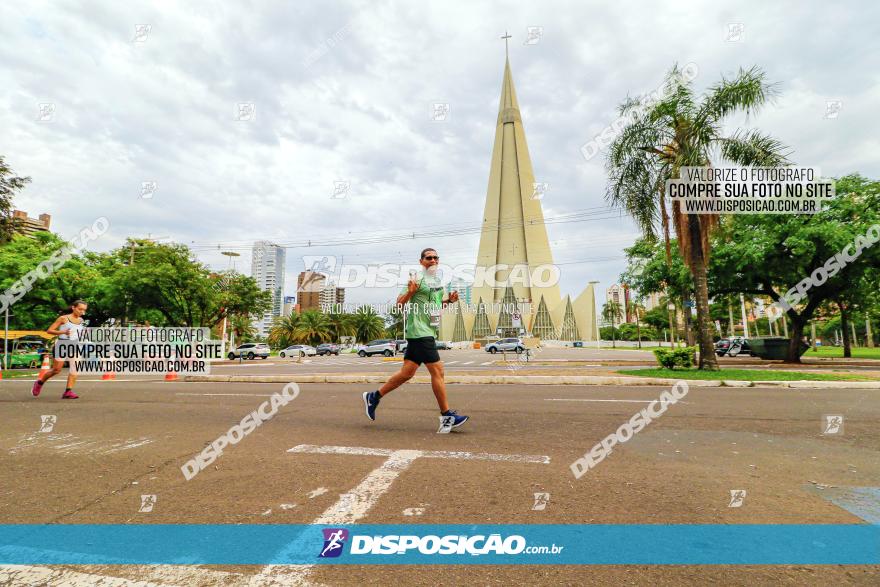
683	130
610	311
396	321
242	327
313	328
284	331
340	324
367	324
635	308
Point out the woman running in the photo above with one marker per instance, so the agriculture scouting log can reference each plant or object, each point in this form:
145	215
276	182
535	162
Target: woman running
66	327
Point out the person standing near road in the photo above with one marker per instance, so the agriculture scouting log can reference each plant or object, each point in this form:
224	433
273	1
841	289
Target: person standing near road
67	326
422	300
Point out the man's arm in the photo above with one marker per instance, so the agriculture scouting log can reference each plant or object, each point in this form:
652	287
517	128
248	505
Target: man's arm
411	288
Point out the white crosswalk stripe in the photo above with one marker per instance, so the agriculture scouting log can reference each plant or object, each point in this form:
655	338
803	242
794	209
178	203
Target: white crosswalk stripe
468	363
452	362
486	363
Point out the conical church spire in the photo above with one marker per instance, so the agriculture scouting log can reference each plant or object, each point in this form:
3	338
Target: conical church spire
513	221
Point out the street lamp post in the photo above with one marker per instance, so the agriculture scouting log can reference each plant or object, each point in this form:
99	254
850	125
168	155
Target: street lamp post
231	255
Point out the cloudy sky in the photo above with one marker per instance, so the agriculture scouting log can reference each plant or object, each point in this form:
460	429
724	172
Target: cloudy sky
150	92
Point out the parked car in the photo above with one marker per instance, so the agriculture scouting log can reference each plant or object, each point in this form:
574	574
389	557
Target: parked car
401	345
378	347
298	350
728	346
327	348
442	345
250	350
506	344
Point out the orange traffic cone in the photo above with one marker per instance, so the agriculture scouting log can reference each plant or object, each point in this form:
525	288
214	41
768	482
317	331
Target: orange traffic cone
109	375
171	376
45	366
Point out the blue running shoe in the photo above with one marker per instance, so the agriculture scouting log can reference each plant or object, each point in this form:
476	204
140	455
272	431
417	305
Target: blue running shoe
371	402
459	420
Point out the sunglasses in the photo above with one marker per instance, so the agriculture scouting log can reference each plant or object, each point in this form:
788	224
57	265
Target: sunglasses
432	258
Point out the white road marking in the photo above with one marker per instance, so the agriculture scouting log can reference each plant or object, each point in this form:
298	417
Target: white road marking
129	445
355	504
233	394
486	363
451	362
430	454
317	492
34	575
468	363
623	401
243	365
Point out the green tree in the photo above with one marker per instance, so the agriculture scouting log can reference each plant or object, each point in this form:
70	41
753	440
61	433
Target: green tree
340	324
368	325
313	328
242	326
9	185
611	311
637	309
164	278
47	295
285	331
684	130
782	251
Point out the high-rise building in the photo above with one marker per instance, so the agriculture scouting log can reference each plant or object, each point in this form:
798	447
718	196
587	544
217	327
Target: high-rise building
619	294
463	288
28	226
652	301
514	236
267	268
331	297
309	285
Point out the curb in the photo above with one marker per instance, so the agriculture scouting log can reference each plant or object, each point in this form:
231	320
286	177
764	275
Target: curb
532	380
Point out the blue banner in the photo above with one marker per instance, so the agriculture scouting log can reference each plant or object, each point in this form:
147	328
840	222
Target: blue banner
600	544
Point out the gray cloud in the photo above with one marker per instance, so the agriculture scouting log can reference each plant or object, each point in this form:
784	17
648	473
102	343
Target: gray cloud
343	91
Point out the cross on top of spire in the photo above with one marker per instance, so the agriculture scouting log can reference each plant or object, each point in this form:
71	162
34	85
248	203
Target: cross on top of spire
505	37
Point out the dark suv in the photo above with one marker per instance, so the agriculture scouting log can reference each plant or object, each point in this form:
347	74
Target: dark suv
722	347
328	348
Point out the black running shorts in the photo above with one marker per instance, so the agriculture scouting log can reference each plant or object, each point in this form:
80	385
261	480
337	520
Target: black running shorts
421	350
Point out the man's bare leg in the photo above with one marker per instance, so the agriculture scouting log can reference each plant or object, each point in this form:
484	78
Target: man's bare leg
406	372
438	384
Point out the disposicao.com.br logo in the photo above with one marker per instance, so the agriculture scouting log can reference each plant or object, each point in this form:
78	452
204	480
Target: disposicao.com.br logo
476	545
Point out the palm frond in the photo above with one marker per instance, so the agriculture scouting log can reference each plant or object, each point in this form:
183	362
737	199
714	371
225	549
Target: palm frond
748	91
753	148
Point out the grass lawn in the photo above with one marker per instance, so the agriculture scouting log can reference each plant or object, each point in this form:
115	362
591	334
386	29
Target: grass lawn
743	375
837	352
19	373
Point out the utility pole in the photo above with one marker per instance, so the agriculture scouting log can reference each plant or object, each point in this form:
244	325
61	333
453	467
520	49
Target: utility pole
813	335
742	305
6	341
869	337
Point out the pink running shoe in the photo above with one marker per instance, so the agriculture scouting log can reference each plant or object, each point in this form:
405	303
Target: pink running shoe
69	395
37	388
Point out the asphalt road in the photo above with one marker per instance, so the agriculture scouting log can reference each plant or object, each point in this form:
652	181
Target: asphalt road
124	439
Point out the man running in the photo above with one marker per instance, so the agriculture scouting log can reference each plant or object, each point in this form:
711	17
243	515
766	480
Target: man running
66	327
423	299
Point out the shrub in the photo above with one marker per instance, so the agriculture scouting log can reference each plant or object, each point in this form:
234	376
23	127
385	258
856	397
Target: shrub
679	357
